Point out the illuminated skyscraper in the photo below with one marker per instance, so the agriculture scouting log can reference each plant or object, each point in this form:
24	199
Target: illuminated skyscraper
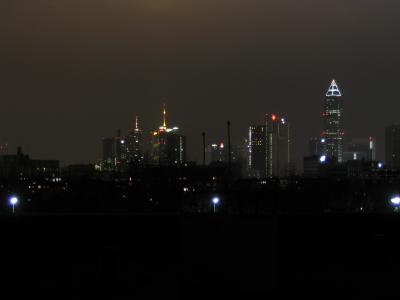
120	151
217	153
257	151
168	146
278	160
114	153
134	144
333	128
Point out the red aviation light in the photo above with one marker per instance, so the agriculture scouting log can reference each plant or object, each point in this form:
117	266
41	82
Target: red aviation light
273	117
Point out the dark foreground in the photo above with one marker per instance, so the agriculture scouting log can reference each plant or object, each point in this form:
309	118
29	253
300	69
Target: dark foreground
191	257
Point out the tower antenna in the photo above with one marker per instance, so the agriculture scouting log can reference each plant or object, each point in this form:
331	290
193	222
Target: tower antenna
164	115
136	123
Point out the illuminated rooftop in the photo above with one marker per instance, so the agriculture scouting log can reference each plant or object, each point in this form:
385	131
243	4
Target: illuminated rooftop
333	90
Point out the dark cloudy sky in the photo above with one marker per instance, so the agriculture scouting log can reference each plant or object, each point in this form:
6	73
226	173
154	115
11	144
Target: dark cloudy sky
73	71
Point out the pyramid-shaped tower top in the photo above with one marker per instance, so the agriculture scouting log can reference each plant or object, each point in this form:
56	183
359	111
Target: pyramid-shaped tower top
333	90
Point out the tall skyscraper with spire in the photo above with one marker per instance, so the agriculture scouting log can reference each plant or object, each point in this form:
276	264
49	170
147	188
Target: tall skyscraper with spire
168	146
135	144
332	136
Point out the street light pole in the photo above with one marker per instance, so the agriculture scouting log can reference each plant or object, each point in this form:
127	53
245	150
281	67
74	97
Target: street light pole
228	124
215	201
13	202
204	148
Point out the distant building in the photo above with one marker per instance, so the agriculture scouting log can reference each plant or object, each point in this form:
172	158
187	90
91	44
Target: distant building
217	153
78	172
333	127
392	143
168	145
278	152
257	151
311	166
134	145
324	166
21	167
120	151
114	153
363	168
361	149
240	157
108	159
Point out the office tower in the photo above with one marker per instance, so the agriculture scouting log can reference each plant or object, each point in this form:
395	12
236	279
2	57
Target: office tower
120	151
168	145
372	149
135	144
361	149
257	151
217	153
176	148
240	152
108	147
333	128
278	160
392	142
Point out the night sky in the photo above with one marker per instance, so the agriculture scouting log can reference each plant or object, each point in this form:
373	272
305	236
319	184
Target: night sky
73	71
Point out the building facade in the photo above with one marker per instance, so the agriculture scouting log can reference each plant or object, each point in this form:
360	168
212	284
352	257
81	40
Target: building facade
278	146
217	153
257	151
108	156
333	125
134	145
361	149
21	167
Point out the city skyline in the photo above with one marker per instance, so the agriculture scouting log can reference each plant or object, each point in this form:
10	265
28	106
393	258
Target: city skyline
61	77
268	148
147	135
188	149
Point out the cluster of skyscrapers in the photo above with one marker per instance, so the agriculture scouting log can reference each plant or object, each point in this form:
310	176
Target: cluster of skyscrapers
168	147
265	152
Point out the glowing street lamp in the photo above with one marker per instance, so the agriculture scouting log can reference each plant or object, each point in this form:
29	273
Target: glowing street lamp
395	201
322	159
215	201
13	202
